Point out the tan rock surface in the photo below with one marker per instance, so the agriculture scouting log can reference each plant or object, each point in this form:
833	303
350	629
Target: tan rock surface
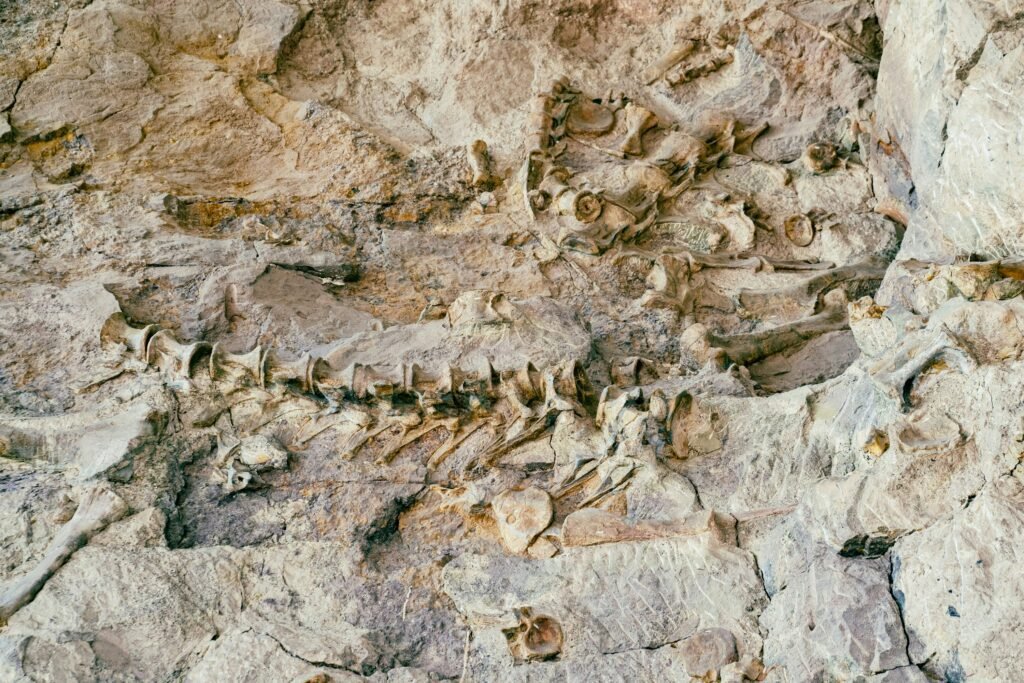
419	341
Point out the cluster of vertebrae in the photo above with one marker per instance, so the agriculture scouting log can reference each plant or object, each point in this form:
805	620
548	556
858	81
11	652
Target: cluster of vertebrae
607	170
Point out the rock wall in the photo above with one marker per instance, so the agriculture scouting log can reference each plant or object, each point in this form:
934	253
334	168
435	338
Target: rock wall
420	341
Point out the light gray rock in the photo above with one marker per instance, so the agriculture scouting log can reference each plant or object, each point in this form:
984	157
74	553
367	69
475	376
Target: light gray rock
835	619
626	266
664	591
957	580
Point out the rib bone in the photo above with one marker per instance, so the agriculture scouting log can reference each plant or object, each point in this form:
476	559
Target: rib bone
99	507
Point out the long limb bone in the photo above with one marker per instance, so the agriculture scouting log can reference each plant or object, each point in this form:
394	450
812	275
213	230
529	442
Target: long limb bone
698	260
865	274
98	508
743	349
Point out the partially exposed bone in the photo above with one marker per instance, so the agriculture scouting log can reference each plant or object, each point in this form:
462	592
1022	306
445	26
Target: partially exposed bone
99	507
555	190
135	339
637	121
591	526
170	355
589	118
583	205
455	439
538	637
675	54
669	282
584	471
680	151
315	425
88	443
698	260
915	357
238	460
864	275
928	433
616	481
479	163
633	370
299	371
708	66
260	452
521	516
413	430
540	122
500	447
733	217
380	382
799	230
821	157
873	330
233	308
743	349
227	365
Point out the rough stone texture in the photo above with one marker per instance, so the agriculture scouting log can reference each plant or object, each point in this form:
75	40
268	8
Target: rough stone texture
420	341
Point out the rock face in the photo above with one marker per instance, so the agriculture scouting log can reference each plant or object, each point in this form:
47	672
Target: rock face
421	341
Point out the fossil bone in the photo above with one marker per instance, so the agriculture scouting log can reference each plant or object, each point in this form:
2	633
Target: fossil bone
743	349
98	508
805	295
538	637
135	339
709	65
821	157
521	516
554	190
799	230
591	526
589	118
170	355
479	163
239	460
298	371
225	365
926	432
673	56
914	357
637	121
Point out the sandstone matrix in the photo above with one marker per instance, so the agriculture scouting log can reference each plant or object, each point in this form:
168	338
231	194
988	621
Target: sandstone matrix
608	340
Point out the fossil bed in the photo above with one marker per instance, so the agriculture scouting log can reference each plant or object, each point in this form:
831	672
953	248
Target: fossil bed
533	340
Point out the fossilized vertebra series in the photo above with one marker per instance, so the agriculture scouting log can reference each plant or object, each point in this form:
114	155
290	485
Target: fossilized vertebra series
629	340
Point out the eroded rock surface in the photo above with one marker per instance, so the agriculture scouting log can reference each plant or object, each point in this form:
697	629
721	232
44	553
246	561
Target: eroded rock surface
421	341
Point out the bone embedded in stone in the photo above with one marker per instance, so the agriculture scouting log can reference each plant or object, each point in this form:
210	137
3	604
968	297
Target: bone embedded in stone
589	118
875	442
172	356
593	526
521	515
799	230
98	507
136	339
538	636
562	341
708	651
479	163
261	453
821	157
672	56
637	121
227	365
